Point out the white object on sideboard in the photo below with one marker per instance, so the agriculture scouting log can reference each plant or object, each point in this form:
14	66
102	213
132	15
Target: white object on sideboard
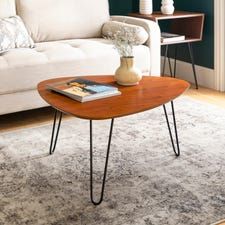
167	7
145	7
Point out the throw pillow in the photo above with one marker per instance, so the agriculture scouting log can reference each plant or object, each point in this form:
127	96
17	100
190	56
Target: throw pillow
13	34
110	28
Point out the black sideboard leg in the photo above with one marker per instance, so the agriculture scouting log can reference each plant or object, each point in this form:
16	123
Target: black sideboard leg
106	164
176	148
170	65
190	49
167	55
164	62
55	131
175	62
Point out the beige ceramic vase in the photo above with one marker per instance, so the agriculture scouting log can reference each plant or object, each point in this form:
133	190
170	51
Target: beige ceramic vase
127	74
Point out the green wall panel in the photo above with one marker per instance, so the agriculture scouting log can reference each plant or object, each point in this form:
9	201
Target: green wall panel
204	51
120	7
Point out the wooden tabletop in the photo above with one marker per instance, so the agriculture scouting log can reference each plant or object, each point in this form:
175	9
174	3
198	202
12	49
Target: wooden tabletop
159	16
150	93
189	24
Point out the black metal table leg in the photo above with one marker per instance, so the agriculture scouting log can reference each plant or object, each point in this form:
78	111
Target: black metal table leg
175	62
55	131
176	148
173	73
165	57
106	164
170	65
190	49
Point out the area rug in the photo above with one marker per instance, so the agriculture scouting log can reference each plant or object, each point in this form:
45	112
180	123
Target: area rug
146	184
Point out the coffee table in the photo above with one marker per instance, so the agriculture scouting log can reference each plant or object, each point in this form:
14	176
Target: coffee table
152	92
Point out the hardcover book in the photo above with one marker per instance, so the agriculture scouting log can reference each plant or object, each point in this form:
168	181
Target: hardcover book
84	90
168	37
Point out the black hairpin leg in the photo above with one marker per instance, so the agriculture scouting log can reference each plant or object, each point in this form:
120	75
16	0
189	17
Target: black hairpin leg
176	148
165	57
193	63
170	65
55	131
106	164
173	73
175	62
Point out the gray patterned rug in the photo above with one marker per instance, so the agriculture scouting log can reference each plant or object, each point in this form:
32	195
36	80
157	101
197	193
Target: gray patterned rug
146	184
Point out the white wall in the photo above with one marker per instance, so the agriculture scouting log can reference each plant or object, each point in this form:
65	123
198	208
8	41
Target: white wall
219	6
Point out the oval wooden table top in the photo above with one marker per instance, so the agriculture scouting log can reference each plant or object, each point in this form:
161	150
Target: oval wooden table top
150	93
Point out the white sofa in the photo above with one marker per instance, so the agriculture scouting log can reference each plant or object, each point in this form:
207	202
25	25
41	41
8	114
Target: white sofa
68	42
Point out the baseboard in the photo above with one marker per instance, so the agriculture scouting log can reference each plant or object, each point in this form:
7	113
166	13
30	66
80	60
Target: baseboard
206	76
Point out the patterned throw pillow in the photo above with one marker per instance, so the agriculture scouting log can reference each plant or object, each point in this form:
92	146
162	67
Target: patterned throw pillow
138	34
13	34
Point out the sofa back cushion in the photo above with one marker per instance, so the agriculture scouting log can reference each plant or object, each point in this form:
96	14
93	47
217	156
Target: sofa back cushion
7	8
50	20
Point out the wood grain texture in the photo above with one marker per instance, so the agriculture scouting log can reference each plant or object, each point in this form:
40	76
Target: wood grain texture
150	93
189	24
43	116
159	16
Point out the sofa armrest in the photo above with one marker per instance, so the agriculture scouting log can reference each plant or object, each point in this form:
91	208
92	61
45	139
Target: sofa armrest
153	41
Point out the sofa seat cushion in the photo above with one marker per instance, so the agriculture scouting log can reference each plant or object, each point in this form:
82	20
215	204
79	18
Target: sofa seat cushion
23	69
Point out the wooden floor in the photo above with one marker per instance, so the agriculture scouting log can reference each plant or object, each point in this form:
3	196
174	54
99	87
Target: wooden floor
42	116
222	223
207	95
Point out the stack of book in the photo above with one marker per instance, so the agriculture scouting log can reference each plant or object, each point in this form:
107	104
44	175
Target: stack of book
84	90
